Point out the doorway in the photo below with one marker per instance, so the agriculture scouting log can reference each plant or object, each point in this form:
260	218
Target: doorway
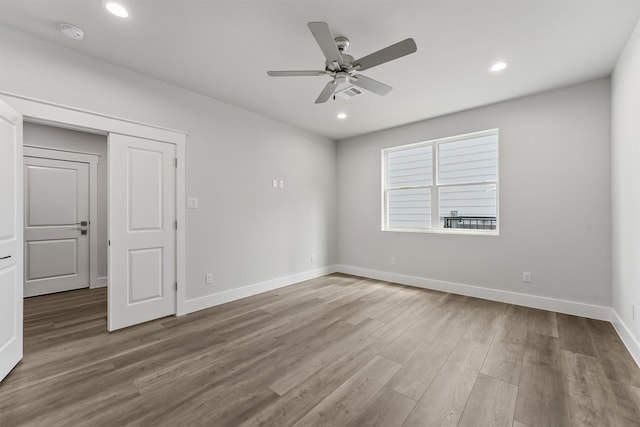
60	205
125	139
65	209
118	132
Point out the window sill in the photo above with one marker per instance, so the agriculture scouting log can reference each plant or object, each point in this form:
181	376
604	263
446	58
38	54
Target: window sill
464	232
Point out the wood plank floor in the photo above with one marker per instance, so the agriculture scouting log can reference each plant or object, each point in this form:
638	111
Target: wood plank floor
334	351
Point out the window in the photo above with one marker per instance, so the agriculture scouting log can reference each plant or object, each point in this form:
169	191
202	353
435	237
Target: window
445	185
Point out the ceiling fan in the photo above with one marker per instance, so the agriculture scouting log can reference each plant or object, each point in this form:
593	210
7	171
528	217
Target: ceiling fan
342	68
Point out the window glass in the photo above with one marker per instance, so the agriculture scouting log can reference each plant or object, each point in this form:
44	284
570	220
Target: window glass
410	167
469	160
457	192
409	208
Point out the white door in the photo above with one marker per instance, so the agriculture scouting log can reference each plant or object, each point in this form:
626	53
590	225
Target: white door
142	233
56	223
10	239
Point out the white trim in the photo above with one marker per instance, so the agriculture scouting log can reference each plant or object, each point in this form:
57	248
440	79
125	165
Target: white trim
223	297
460	231
39	111
92	160
533	301
101	282
32	150
181	232
444	140
626	336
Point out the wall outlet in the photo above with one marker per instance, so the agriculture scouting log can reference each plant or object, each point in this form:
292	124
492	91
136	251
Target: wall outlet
208	278
281	183
526	277
393	260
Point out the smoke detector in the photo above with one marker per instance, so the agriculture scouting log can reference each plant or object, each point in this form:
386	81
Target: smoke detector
72	31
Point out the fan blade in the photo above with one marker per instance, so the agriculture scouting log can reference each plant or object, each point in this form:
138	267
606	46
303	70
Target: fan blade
370	84
389	53
295	73
323	36
326	92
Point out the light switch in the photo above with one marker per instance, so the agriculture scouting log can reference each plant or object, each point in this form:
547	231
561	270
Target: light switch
281	184
192	203
274	183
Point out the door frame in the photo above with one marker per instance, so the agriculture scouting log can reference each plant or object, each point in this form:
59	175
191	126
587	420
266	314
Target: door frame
93	160
52	114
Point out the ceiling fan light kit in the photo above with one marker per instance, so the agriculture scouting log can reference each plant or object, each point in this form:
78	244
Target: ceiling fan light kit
342	68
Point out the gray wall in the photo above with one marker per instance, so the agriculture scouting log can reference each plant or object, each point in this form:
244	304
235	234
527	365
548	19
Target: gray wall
554	183
626	185
245	232
70	140
554	203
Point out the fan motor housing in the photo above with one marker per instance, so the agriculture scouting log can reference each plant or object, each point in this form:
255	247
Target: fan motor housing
347	61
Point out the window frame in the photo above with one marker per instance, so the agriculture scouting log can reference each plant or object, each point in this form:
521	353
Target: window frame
435	186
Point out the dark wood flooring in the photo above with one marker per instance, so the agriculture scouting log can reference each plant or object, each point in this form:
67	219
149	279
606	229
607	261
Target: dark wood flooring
333	351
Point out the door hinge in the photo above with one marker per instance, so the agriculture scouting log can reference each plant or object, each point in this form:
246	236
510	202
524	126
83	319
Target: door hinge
176	162
176	286
175	223
108	242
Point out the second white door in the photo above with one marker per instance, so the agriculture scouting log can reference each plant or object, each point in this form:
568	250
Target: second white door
142	230
56	215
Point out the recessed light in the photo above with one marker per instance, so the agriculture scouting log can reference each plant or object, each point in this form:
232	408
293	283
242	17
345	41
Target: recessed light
498	66
341	116
115	8
72	31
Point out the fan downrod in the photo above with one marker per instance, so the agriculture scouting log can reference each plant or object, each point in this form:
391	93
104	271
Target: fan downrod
342	43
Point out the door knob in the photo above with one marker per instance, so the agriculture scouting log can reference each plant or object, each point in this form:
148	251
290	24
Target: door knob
84	225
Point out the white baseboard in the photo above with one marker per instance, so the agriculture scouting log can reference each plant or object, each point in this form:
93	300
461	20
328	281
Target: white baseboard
101	282
212	300
626	336
533	301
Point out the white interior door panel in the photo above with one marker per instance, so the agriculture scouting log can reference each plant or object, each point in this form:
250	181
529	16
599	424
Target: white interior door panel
142	234
56	205
11	270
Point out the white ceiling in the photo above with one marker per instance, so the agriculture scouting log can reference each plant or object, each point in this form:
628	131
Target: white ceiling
223	48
